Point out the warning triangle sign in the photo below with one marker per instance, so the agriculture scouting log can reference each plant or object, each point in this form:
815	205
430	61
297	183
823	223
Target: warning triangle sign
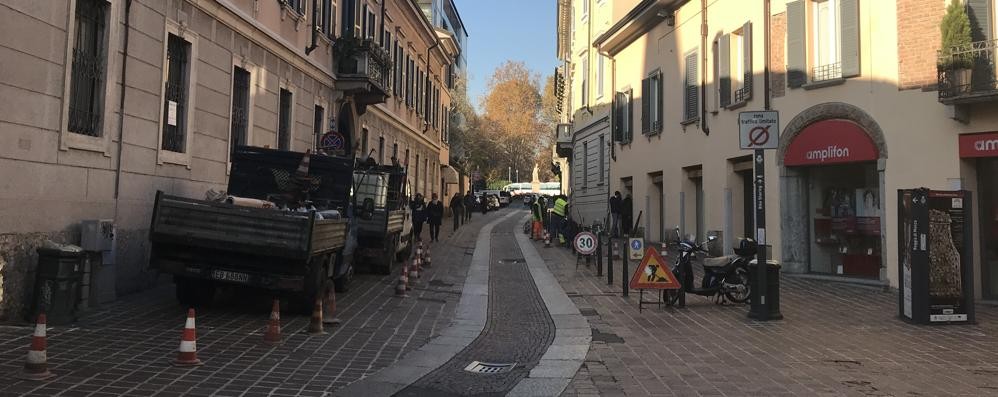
653	273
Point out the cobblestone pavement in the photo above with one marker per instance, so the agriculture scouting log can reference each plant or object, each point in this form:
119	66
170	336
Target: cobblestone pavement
126	348
837	339
518	330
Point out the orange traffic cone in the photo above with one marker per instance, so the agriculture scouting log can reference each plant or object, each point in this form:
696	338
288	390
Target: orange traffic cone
315	323
329	316
413	272
187	355
402	285
273	334
547	239
426	258
36	365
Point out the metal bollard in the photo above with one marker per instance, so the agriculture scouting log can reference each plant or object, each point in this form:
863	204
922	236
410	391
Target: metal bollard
624	258
599	256
609	262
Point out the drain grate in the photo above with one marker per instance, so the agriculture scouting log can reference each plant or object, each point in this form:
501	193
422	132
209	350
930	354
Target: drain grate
479	367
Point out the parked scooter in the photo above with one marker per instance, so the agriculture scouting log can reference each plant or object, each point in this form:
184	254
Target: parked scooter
723	277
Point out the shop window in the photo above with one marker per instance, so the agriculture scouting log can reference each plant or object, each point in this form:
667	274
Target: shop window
284	120
175	100
86	99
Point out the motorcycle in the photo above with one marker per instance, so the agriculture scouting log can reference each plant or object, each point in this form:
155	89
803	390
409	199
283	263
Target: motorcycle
723	277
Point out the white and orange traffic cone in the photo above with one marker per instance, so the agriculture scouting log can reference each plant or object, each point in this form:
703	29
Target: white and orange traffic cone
187	355
273	334
413	273
403	282
427	261
36	365
547	239
315	323
329	312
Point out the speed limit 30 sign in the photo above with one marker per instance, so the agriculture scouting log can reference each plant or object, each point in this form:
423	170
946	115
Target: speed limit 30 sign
585	243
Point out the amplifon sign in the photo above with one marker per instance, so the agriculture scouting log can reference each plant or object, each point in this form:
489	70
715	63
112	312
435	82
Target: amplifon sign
979	145
830	142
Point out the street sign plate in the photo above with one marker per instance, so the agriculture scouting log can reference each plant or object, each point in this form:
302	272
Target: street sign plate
653	273
759	130
637	247
585	243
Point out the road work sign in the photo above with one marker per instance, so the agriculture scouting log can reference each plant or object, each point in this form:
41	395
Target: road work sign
759	130
636	247
654	273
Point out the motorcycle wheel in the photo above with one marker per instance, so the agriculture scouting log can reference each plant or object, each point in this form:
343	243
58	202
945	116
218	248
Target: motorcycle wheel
738	277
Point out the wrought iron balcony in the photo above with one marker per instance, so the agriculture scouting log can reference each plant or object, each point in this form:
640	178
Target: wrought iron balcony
563	140
967	74
363	70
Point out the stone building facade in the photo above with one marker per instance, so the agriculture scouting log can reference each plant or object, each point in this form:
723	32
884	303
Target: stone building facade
104	102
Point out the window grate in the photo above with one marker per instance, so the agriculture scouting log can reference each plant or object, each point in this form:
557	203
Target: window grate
830	71
87	79
175	103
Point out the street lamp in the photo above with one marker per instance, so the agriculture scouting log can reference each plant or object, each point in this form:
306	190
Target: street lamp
518	176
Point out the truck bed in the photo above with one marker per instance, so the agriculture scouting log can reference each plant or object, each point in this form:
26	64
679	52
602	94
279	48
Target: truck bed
219	226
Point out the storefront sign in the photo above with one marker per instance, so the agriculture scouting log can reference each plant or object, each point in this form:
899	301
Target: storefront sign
831	142
979	145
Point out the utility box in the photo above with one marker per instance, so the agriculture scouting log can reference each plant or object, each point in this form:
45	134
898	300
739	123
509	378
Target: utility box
99	238
936	256
57	284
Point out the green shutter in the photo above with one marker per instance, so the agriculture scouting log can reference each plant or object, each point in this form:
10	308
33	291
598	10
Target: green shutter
796	37
724	70
660	110
849	12
747	58
980	19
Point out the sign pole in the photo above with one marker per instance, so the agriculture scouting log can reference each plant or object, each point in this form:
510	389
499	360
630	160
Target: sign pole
609	261
760	309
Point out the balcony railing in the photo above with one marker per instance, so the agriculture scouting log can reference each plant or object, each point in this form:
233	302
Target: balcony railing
967	73
830	71
363	70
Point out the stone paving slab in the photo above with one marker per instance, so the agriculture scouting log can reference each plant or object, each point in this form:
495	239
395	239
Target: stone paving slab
126	348
836	340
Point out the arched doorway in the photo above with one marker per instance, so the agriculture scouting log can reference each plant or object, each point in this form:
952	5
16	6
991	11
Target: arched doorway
832	160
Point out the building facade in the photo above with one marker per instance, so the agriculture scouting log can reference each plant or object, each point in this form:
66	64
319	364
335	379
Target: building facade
864	108
587	93
104	102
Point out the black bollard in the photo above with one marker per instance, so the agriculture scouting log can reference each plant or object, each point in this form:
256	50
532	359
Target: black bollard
599	256
624	258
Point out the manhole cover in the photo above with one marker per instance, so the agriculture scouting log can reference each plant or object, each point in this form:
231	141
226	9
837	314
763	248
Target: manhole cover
479	367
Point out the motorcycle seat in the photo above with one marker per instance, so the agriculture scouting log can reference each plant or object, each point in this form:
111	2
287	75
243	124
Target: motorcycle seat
721	261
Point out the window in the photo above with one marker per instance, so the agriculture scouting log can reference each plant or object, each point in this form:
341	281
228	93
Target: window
364	22
381	150
284	120
416	174
406	163
585	9
585	79
735	67
599	75
623	116
318	117
175	100
86	99
691	90
395	152
585	167
240	107
297	6
351	24
651	104
397	87
323	17
822	40
372	25
602	157
364	141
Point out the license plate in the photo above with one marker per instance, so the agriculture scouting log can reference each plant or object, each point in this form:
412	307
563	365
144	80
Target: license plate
225	275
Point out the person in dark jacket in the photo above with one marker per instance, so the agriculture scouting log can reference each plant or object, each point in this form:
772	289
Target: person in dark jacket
615	203
435	216
418	207
627	213
457	209
470	204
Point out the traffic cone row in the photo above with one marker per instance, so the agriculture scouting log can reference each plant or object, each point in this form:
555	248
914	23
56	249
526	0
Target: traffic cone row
413	272
403	283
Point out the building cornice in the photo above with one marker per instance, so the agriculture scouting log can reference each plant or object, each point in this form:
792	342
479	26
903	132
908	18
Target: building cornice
640	20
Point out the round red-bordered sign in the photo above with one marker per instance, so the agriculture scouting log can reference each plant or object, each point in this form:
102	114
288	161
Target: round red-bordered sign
585	243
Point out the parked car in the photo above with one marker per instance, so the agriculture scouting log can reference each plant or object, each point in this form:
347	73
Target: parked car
493	202
504	198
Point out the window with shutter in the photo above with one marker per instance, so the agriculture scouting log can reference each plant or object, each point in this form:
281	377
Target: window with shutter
724	71
691	89
585	80
646	98
746	62
659	106
629	117
796	50
618	117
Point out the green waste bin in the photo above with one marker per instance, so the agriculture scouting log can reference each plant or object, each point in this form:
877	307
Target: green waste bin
57	284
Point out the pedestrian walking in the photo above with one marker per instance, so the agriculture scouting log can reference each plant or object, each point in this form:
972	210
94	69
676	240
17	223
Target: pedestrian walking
418	207
457	209
615	209
627	213
470	204
435	216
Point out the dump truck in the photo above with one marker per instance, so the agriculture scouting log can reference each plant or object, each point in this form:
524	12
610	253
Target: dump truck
386	237
286	226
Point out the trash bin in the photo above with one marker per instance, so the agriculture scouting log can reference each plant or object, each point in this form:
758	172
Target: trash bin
770	310
57	284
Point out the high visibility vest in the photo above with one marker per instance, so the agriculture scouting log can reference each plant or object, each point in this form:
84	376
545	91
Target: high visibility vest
559	207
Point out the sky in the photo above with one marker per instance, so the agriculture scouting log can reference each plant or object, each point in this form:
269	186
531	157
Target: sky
519	30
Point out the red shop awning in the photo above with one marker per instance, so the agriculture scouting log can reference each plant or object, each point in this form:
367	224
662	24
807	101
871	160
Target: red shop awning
830	142
979	145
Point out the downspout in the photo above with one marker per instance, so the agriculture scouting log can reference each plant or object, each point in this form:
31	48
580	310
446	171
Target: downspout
589	40
703	75
767	95
121	109
315	30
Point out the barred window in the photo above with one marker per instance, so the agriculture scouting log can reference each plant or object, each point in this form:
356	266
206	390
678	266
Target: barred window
175	101
86	105
284	121
240	107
